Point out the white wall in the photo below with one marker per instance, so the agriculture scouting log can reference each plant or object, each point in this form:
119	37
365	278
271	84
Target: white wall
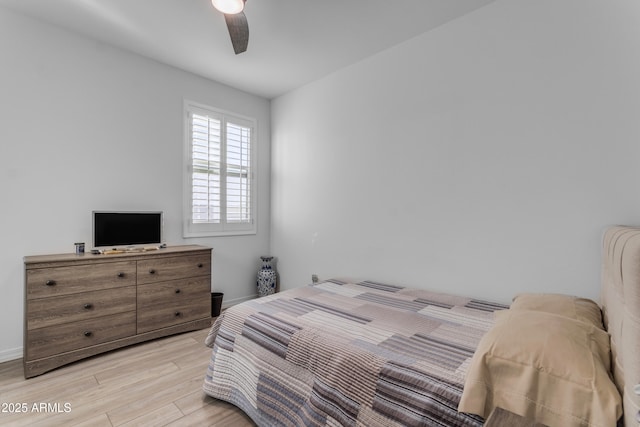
482	158
84	126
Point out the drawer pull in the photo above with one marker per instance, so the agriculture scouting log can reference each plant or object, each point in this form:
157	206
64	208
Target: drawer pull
50	283
152	271
88	306
88	334
200	265
121	274
177	314
178	291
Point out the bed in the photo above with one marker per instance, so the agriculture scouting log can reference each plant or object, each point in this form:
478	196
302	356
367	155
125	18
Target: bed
363	353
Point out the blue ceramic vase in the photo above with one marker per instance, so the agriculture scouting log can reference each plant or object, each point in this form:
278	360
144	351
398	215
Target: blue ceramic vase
266	277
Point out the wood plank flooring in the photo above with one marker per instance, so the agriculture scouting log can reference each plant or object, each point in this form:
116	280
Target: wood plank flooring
158	383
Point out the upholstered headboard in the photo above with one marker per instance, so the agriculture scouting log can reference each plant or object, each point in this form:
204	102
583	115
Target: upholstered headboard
620	300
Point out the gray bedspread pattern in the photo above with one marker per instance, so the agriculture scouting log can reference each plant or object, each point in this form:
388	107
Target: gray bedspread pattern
348	354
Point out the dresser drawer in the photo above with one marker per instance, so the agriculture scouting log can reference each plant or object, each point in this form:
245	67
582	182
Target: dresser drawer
43	312
58	339
162	269
55	281
170	303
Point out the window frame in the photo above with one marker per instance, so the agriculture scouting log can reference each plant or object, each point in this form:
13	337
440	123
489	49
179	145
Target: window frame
191	229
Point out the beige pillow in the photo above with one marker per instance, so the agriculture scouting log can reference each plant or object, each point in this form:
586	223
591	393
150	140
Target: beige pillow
545	366
582	309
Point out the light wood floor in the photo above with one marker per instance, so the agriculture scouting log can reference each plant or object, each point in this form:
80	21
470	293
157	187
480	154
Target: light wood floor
158	383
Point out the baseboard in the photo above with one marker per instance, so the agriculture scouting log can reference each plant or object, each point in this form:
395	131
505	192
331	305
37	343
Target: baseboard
232	302
11	354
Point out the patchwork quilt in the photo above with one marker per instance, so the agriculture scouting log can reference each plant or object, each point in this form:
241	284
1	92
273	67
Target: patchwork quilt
348	354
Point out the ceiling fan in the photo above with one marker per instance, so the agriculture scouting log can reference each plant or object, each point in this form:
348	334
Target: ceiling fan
236	22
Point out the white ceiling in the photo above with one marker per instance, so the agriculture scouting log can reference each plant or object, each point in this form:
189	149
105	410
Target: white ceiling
292	42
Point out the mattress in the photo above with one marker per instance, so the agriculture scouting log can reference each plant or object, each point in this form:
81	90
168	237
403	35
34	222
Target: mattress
341	353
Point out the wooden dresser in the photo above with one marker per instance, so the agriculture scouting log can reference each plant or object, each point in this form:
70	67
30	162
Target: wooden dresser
78	306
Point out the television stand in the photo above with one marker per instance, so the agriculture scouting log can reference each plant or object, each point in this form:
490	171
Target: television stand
127	250
78	306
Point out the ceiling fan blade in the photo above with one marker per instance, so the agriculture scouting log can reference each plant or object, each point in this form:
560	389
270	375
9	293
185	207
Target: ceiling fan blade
238	30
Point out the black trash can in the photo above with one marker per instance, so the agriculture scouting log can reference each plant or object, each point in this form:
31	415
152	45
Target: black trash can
216	303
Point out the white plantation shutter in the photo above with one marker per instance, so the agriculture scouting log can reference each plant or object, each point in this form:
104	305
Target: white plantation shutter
206	168
219	188
238	173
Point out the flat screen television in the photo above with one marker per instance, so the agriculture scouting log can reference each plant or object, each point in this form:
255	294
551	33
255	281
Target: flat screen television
117	229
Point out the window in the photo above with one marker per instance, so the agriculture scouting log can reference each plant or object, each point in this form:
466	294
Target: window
219	173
